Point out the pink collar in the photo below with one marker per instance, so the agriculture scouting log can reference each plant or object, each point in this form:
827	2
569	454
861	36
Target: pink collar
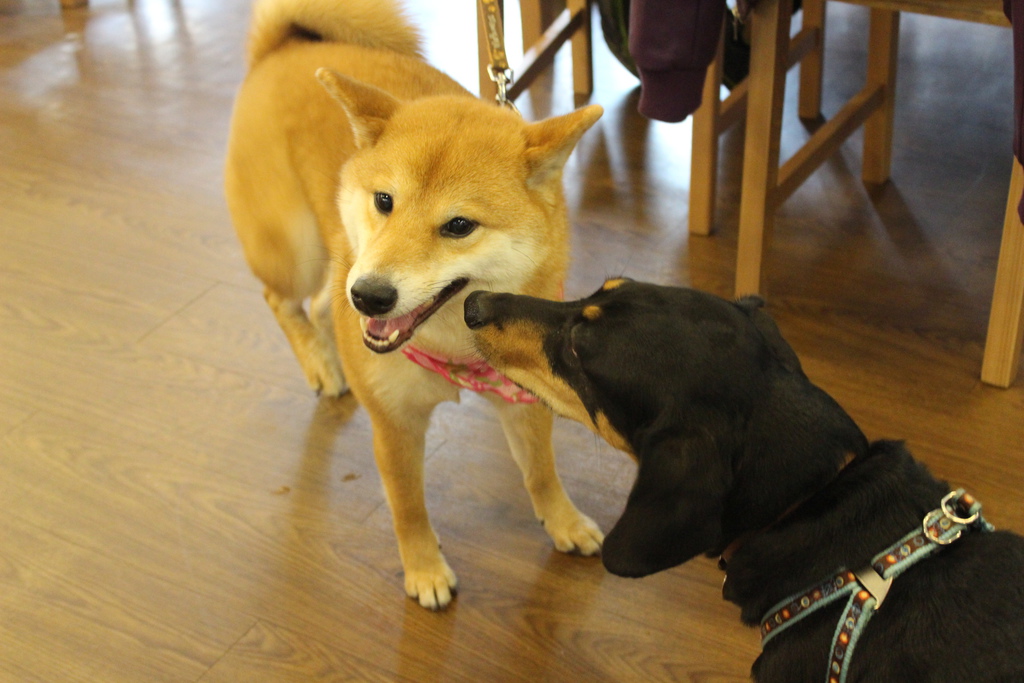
471	373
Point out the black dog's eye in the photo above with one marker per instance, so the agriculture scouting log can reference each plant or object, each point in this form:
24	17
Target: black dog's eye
576	339
383	202
458	227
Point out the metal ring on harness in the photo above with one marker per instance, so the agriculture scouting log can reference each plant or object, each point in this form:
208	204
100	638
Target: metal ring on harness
946	510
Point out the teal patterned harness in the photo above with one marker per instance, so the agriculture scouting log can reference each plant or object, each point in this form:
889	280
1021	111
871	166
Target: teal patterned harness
957	512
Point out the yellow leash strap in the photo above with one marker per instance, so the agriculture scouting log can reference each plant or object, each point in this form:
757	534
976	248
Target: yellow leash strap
498	69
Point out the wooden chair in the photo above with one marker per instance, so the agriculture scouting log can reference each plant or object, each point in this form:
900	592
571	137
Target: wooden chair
540	44
765	185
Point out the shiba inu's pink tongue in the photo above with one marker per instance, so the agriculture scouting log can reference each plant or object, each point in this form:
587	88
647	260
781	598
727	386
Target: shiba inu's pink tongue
383	329
388	334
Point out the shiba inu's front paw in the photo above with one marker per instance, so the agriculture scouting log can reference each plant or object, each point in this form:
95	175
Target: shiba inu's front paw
329	381
572	531
433	587
323	373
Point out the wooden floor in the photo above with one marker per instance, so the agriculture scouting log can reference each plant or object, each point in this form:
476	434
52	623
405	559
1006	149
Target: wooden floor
177	506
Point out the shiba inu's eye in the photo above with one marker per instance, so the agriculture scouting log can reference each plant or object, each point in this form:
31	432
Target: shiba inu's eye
458	227
383	202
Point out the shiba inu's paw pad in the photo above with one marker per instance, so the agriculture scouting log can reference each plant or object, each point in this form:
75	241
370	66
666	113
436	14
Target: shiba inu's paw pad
433	589
577	533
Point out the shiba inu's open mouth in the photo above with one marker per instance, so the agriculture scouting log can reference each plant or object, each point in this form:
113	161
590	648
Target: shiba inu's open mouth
383	335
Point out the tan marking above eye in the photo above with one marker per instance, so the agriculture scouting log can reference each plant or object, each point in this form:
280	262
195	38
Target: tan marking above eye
592	312
612	284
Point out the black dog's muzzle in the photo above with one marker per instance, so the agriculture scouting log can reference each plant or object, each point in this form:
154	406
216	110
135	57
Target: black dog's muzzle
477	309
490	308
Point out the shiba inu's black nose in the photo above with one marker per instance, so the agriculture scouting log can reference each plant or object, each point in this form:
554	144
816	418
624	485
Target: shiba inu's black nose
373	295
475	311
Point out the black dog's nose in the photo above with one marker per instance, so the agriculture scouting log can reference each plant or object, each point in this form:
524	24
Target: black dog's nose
475	311
373	295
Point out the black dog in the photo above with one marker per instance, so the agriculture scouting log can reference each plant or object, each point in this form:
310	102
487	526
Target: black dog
741	456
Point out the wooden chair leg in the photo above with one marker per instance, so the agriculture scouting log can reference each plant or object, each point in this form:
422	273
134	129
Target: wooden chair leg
813	64
532	20
769	42
582	54
1006	321
704	150
71	4
883	47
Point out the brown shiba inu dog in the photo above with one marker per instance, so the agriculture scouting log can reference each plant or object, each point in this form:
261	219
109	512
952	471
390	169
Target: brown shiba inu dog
384	193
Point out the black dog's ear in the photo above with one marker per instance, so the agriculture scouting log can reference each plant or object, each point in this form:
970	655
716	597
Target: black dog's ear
674	511
753	306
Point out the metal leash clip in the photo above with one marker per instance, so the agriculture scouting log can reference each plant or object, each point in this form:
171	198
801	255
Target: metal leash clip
503	80
498	69
737	19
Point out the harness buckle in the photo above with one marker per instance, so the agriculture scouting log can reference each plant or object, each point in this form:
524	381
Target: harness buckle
874	584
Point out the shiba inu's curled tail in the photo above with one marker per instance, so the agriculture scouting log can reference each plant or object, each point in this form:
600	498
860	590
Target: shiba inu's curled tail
370	23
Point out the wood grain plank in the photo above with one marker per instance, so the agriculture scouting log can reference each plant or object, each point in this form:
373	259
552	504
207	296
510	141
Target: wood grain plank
74	614
73	298
147	224
11	415
261	434
233	545
232	328
271	653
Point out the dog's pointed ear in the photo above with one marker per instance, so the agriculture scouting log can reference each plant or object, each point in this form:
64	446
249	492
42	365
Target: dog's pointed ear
368	108
674	511
550	142
753	306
